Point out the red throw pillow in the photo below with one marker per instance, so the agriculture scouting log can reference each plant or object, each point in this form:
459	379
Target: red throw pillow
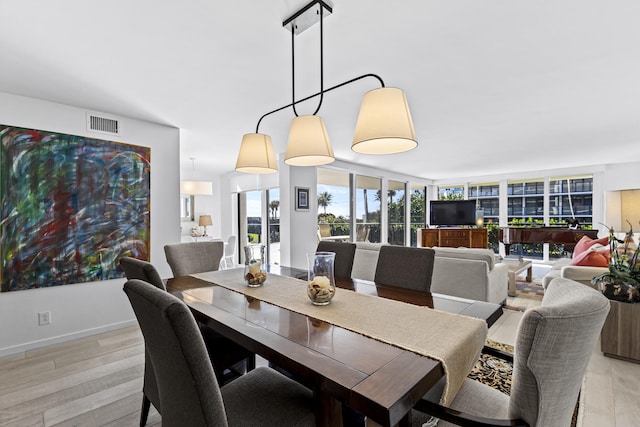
586	242
597	258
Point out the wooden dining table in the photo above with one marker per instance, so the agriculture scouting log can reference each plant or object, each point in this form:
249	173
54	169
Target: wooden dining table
380	380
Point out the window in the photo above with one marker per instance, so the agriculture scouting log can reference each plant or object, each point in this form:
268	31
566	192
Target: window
525	207
334	201
418	211
451	192
487	196
571	197
396	213
368	204
273	225
186	208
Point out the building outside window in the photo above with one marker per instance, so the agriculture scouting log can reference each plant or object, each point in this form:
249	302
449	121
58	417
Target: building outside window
451	192
487	197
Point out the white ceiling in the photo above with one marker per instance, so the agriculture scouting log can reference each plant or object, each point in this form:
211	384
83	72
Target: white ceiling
494	86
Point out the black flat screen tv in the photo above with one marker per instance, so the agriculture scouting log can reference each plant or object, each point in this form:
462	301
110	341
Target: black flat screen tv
453	212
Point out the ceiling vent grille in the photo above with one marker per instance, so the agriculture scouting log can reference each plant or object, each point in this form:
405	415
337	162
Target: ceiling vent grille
102	124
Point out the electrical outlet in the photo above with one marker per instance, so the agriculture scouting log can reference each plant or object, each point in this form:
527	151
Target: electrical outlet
44	318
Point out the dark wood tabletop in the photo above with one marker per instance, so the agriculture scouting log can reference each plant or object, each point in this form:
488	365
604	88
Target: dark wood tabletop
377	379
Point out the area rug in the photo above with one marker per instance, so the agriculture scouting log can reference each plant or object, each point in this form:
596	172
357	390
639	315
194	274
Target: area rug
528	294
496	373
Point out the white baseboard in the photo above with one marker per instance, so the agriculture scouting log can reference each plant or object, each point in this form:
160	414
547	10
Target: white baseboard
14	350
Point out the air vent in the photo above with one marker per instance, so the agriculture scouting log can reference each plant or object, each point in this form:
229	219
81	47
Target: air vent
103	124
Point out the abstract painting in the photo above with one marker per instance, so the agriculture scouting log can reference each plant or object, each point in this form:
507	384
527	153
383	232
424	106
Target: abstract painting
71	207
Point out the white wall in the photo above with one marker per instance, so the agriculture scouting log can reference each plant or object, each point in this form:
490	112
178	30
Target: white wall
88	308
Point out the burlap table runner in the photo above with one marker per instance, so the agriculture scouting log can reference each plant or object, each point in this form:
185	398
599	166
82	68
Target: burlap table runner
455	341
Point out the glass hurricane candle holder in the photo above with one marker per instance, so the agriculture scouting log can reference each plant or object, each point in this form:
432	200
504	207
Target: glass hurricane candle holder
254	273
322	285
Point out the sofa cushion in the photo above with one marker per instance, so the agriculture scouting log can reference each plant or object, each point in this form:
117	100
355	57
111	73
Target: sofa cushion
365	260
486	255
586	242
592	258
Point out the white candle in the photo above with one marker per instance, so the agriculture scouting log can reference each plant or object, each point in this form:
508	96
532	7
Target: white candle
254	268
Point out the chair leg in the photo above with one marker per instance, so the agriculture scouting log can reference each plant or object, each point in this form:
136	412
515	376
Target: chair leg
251	362
144	411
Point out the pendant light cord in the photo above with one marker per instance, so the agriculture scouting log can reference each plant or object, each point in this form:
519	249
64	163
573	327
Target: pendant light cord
293	67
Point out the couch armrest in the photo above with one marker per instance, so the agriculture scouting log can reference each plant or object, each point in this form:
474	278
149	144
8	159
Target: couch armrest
498	283
581	274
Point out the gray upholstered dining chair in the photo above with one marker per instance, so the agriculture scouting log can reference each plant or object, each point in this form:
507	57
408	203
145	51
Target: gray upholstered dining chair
553	346
224	353
188	391
196	257
344	251
405	267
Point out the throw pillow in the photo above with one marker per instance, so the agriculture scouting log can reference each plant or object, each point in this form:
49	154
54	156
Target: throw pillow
586	242
592	258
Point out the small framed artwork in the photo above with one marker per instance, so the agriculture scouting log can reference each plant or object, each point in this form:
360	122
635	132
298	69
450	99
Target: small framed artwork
302	199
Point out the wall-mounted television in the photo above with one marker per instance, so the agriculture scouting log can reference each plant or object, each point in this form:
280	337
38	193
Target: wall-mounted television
453	212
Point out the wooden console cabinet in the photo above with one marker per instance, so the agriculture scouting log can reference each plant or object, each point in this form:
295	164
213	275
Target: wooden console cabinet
454	237
619	337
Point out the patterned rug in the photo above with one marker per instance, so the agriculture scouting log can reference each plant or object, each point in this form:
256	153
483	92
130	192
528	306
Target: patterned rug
528	294
496	373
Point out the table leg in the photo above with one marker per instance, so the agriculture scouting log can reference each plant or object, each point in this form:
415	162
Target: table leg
328	411
529	273
512	284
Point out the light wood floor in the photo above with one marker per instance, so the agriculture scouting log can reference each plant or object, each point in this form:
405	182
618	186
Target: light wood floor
97	381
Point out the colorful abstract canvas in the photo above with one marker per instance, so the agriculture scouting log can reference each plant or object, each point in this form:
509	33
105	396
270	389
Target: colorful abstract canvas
71	207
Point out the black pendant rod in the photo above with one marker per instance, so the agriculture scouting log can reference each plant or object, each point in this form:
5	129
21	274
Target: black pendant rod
293	68
355	79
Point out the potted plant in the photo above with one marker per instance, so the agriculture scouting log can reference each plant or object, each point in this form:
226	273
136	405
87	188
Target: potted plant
622	281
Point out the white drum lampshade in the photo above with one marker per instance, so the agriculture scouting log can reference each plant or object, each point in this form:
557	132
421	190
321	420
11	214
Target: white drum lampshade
195	188
384	124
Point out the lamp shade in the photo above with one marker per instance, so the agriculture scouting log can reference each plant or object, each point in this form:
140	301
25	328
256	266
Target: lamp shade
309	143
384	124
194	188
205	220
256	154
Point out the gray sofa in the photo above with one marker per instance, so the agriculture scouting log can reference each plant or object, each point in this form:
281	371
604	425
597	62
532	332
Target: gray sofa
470	273
563	268
462	272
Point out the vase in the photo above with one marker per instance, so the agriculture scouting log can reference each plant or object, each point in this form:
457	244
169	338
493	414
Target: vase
322	284
623	292
254	272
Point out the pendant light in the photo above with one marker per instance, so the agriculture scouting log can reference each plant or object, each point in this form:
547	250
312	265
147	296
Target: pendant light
384	123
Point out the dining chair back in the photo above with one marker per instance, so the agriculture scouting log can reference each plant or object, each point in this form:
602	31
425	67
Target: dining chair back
188	390
344	251
554	343
138	269
196	257
405	267
224	353
229	252
553	346
143	270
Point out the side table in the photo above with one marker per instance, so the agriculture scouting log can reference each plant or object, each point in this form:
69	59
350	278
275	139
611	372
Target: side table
619	337
515	268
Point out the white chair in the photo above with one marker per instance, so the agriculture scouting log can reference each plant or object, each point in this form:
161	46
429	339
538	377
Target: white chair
229	252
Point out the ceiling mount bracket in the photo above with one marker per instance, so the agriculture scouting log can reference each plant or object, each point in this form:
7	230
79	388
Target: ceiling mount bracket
307	17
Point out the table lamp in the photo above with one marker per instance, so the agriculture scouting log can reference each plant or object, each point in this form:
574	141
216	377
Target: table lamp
205	220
